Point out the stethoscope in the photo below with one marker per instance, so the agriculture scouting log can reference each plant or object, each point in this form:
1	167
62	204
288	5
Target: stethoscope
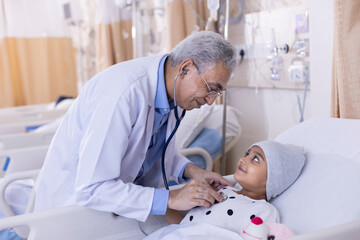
178	120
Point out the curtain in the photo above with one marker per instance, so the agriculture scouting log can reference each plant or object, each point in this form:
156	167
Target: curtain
345	99
36	56
184	17
113	34
114	42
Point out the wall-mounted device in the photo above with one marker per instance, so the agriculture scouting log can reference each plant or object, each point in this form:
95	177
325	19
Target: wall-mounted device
299	71
301	46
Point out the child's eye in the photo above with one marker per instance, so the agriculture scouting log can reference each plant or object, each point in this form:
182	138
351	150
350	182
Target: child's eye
255	159
246	154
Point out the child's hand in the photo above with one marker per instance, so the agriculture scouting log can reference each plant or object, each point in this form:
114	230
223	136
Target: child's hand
218	184
215	180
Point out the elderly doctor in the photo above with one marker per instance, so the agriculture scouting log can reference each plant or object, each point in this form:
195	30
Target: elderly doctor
106	153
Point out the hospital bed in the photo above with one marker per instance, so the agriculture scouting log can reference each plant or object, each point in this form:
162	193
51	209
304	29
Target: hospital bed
22	159
322	204
37	116
23	151
26	108
199	136
61	103
24	119
22	127
23	140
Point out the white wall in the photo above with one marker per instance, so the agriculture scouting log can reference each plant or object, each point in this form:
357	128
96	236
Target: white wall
267	112
321	46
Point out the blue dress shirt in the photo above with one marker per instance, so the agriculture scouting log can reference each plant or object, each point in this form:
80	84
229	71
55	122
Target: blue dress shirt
163	106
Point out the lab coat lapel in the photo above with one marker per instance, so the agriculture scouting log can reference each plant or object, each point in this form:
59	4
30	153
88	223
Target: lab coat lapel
152	86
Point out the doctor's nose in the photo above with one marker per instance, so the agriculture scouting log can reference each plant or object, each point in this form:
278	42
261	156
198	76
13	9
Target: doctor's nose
210	99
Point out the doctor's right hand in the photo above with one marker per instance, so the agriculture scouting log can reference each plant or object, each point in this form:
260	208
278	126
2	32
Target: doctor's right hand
193	194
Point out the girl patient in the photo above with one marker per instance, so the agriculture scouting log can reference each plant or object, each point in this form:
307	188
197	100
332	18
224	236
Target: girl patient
267	169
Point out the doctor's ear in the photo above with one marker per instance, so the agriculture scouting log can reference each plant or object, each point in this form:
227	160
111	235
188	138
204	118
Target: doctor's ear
185	71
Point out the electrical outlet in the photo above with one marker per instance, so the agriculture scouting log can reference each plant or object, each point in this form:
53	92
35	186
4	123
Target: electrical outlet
299	71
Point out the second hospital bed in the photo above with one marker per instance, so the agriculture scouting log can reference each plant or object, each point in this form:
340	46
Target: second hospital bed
199	138
24	119
24	148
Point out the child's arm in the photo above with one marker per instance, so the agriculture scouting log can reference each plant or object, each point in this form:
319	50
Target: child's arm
173	216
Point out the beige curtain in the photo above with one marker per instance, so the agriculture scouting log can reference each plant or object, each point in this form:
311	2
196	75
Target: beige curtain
184	17
345	101
37	61
36	70
7	96
113	34
114	41
112	46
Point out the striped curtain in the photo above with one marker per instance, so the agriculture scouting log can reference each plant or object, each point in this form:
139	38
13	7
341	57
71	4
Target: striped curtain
37	61
183	18
159	27
113	33
345	102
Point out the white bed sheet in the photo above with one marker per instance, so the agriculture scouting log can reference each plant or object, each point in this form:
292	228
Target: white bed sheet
193	231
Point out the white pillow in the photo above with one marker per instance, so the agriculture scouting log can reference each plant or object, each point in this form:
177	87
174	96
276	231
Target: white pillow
326	192
191	125
326	135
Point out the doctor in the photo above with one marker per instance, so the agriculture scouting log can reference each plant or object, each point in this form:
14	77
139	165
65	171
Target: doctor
106	153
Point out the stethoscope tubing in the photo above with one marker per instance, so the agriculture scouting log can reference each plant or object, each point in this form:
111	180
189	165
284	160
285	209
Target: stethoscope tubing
178	120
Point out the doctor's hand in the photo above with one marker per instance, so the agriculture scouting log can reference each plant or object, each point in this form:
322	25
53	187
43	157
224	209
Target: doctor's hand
193	194
214	179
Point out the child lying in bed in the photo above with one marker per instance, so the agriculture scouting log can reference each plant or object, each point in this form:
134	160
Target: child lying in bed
266	170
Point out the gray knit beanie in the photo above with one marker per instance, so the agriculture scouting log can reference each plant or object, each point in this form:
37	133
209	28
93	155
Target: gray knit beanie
284	164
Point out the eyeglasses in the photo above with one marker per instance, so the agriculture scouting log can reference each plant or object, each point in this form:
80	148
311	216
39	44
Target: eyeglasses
211	93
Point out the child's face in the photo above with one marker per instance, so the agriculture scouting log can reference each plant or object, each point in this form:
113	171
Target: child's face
251	172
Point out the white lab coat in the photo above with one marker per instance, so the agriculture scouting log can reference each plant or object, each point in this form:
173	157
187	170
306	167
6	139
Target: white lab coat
102	142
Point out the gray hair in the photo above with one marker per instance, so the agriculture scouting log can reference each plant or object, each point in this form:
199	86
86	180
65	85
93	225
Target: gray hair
205	48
